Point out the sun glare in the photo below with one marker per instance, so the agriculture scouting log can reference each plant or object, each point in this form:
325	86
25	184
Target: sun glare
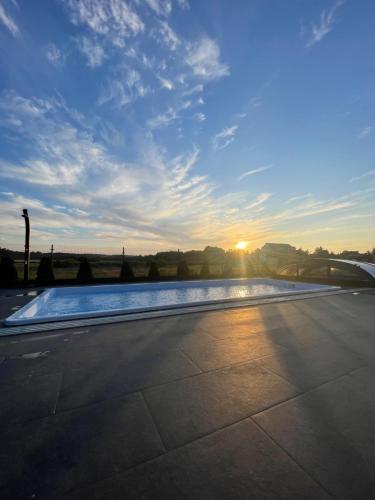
241	245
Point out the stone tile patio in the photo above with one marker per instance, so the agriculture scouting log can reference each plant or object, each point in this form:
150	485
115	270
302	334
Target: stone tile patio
273	401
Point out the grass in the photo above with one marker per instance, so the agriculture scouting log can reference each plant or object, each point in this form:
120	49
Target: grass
101	270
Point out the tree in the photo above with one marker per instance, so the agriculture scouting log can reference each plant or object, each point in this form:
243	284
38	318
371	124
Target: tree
8	272
250	271
126	273
228	267
265	270
205	270
84	272
320	252
45	274
183	271
153	271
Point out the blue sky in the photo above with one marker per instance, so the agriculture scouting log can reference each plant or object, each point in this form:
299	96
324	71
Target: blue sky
164	124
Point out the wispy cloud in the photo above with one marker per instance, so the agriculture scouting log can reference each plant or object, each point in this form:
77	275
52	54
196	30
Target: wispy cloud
157	201
166	35
8	22
165	83
254	171
93	52
299	198
169	116
123	88
193	90
366	175
54	55
200	117
224	138
111	19
160	7
260	199
365	132
319	30
256	102
184	4
204	59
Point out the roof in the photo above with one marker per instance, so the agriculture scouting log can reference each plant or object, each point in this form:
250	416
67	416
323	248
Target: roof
278	247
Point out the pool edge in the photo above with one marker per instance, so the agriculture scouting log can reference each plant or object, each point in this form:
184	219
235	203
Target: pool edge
78	323
13	320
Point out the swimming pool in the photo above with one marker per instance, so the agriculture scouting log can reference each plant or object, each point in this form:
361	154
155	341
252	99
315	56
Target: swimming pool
65	303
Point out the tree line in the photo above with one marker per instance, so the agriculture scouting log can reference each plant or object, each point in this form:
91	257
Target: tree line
45	274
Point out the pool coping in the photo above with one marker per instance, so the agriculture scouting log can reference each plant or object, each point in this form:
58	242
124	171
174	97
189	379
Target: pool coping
122	318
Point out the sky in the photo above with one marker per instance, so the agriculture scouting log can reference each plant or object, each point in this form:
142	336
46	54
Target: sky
165	124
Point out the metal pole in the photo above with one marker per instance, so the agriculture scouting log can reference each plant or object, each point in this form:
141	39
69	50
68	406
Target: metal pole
26	262
52	254
123	254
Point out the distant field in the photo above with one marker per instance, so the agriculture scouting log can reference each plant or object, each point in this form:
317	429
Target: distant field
101	270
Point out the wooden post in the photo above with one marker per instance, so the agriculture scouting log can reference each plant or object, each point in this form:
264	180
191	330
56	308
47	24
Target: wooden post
26	260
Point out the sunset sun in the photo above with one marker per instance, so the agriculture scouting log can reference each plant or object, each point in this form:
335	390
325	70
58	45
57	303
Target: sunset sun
241	245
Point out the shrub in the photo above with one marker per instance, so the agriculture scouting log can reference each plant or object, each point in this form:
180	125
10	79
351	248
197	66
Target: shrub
45	271
84	272
126	273
182	269
65	263
250	271
228	268
265	270
205	270
153	272
8	272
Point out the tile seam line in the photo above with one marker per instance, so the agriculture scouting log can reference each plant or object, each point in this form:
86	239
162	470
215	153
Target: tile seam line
318	483
147	388
169	450
302	393
187	356
308	389
188	443
155	424
254	361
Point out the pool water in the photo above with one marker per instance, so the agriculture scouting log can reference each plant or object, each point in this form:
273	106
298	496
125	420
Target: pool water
56	304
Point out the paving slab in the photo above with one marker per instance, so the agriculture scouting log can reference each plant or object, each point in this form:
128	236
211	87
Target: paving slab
76	448
49	361
190	408
236	463
330	432
221	353
310	367
99	382
365	374
32	343
149	337
341	312
31	398
360	341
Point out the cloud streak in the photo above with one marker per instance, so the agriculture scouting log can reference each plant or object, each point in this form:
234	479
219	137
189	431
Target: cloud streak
325	25
254	171
224	138
204	59
366	175
8	22
365	132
